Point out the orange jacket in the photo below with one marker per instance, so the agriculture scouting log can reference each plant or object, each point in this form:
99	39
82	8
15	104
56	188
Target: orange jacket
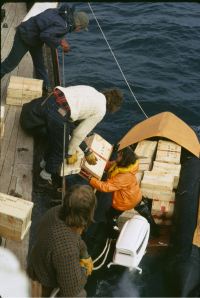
123	183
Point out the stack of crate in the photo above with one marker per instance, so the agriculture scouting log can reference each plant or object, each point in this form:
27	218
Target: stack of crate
21	90
145	151
160	183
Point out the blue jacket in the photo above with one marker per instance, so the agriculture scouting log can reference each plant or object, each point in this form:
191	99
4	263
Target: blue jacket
48	27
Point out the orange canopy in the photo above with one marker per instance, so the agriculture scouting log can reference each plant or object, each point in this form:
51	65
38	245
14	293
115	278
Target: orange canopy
165	125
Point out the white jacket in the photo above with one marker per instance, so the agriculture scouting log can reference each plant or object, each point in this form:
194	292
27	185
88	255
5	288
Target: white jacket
88	106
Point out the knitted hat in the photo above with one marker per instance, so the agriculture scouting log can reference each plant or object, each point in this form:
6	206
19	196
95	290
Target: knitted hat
81	19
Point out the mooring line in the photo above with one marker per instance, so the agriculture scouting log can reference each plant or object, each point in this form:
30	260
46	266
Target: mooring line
117	61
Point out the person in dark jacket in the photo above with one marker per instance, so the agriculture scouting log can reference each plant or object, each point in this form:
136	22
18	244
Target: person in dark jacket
48	27
59	257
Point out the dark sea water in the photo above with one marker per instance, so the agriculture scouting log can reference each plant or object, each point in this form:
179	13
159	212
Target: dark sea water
157	46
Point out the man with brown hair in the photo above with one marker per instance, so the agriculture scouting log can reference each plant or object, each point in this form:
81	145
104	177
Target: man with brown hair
59	258
82	105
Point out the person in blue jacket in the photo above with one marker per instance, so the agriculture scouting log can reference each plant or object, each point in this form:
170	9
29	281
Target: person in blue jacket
49	27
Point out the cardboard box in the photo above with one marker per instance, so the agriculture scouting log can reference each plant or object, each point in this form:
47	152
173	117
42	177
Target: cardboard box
156	194
21	90
75	168
139	176
102	150
162	209
168	168
145	164
168	156
154	181
146	149
168	146
15	217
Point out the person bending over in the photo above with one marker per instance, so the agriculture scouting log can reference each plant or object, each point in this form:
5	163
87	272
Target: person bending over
83	105
48	27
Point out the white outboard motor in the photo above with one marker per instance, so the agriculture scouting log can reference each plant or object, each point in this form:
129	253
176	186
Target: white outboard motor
132	243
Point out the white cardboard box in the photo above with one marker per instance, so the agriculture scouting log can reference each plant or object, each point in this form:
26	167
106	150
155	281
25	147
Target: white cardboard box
156	194
168	156
102	150
168	168
168	146
162	209
15	217
156	181
146	149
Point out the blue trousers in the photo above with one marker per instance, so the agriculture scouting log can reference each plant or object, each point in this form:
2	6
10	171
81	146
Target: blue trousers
19	49
55	132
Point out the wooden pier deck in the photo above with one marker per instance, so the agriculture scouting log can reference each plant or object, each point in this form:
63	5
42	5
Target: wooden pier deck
16	158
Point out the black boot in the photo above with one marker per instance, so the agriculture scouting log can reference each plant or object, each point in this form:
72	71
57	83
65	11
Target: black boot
144	210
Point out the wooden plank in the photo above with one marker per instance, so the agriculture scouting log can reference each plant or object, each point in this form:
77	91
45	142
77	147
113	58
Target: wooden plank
9	123
10	9
15	165
8	164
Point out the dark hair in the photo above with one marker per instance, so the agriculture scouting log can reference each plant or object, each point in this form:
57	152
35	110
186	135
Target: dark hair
79	206
114	99
128	157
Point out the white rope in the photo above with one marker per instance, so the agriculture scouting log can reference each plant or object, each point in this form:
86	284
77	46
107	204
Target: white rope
117	62
103	262
102	252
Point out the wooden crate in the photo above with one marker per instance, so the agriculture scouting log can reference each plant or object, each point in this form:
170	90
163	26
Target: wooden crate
155	181
168	156
168	168
168	146
15	217
21	90
155	194
146	149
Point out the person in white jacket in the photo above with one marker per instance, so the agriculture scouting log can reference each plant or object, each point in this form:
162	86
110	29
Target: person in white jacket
81	105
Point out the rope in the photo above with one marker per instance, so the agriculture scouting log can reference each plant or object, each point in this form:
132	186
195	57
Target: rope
101	252
63	68
103	262
64	133
117	62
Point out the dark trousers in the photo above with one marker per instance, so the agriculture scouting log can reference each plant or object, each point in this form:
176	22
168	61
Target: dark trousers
55	134
19	49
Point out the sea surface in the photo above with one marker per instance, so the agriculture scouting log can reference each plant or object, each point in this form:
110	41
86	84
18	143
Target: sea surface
157	47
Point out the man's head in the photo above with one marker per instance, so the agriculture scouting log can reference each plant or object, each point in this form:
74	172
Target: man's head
76	20
79	206
81	21
114	99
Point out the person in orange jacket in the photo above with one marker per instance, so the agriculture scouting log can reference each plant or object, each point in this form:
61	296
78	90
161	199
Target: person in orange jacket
122	183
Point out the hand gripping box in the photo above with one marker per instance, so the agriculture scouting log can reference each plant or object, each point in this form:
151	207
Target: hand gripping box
15	217
21	90
102	150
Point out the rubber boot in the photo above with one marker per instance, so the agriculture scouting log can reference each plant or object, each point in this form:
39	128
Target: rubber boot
144	210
